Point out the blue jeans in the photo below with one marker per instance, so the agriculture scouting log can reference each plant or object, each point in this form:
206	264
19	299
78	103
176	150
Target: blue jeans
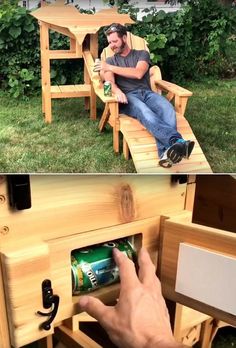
157	115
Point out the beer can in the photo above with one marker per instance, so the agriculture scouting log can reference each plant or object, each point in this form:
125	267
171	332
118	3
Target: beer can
96	69
94	267
107	89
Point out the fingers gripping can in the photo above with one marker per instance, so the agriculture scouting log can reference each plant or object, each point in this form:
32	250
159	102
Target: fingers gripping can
107	89
94	267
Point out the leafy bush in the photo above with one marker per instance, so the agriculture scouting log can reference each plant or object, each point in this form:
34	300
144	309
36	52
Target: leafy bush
19	45
20	67
191	42
198	40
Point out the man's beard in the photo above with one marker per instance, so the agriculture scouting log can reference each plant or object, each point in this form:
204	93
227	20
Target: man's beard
121	48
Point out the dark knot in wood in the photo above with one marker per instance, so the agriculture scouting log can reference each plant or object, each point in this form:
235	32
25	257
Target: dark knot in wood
127	203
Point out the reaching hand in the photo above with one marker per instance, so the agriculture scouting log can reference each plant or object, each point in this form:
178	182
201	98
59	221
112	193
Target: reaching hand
100	65
140	318
97	65
121	97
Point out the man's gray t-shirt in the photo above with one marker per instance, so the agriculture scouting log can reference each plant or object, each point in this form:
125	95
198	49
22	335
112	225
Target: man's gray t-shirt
130	61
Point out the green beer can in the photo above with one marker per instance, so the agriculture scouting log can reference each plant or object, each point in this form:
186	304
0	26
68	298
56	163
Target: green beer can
94	267
107	89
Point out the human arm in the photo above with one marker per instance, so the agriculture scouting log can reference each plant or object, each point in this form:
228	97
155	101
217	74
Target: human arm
109	76
135	73
140	318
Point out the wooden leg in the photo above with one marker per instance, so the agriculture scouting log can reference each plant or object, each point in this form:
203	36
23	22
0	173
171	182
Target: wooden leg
125	149
48	108
46	342
93	106
188	324
45	72
180	104
94	51
86	81
114	110
43	103
206	334
209	330
86	103
104	118
115	140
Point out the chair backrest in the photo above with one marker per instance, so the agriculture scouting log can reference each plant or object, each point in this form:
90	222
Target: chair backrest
134	42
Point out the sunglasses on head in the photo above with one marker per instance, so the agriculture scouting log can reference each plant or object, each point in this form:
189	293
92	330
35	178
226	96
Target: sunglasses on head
115	29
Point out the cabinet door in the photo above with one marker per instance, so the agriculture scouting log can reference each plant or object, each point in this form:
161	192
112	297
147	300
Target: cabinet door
23	272
26	268
198	267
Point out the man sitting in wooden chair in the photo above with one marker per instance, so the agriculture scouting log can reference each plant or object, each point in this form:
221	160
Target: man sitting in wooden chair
128	72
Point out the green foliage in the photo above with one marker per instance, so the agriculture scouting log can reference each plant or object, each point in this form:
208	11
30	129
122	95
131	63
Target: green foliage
20	67
124	7
198	40
191	42
19	44
129	9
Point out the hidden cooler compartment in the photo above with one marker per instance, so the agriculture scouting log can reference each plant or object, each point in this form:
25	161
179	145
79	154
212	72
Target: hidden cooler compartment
37	274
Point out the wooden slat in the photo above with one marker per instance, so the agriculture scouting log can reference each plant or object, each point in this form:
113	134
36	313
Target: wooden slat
59	202
151	155
61	30
185	163
63	54
173	88
79	24
133	42
164	171
143	149
4	332
71	91
153	167
55	89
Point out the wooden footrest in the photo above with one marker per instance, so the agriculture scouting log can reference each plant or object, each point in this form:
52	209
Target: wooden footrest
143	149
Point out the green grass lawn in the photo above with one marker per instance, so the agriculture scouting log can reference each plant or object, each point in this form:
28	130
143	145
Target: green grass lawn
212	114
73	144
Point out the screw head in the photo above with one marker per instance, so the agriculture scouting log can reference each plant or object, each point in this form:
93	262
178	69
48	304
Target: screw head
4	230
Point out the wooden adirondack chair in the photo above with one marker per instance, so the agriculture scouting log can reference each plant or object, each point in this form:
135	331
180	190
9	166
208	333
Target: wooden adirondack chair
136	139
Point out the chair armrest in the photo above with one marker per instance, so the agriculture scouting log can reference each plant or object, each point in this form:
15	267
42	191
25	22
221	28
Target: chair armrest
173	88
100	93
95	78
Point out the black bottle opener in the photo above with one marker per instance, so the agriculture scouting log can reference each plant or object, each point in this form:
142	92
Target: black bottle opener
49	301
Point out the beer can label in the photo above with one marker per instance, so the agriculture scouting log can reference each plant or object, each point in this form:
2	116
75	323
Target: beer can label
94	267
107	89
